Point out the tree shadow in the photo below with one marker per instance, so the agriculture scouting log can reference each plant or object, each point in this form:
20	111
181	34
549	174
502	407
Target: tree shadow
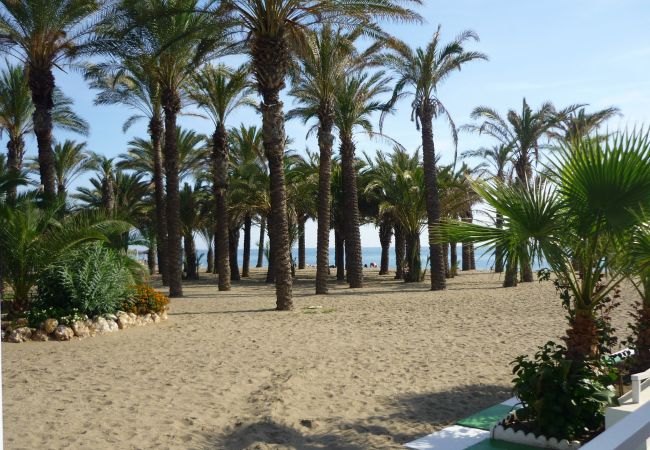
266	434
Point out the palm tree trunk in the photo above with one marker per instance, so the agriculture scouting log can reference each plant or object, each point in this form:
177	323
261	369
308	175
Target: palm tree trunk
108	194
325	144
233	246
220	186
412	274
445	254
171	105
453	251
582	336
155	131
472	257
339	253
41	84
15	149
270	271
527	272
301	242
151	258
192	272
385	235
438	281
210	257
465	255
510	279
248	222
498	251
271	61
352	220
260	243
400	245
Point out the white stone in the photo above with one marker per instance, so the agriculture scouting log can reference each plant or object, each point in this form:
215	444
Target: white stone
100	326
40	335
20	334
63	333
81	329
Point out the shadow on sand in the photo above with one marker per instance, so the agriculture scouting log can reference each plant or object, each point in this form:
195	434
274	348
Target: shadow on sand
407	418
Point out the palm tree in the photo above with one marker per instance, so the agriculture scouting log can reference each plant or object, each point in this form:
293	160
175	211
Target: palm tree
191	222
249	195
42	35
420	73
579	124
133	83
17	109
70	160
219	91
638	258
327	57
32	238
584	214
398	180
521	132
497	165
271	30
178	37
356	100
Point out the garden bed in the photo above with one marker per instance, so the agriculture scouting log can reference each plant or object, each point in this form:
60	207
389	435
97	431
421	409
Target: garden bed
52	330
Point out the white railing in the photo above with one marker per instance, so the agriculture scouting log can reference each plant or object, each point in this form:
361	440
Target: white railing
638	383
630	433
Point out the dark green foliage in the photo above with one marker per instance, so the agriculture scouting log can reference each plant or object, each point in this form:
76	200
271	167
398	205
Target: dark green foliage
94	279
562	398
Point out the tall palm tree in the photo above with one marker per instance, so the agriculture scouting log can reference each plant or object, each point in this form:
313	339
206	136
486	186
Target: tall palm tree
271	30
133	83
584	214
579	124
420	72
356	100
191	222
179	37
17	109
328	56
219	90
522	132
496	164
71	159
42	35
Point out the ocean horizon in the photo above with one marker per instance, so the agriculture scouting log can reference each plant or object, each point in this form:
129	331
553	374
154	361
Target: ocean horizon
368	254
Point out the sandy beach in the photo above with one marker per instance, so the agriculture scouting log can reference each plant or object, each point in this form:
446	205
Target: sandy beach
373	368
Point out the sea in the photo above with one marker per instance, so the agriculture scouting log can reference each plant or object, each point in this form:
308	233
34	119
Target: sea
369	255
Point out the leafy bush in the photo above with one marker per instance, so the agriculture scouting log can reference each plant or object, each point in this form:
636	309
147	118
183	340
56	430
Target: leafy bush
562	398
36	316
144	299
93	279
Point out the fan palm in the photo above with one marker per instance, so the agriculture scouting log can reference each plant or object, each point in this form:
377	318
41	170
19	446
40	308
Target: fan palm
420	73
522	132
16	110
584	216
219	91
44	34
497	165
272	29
638	259
133	83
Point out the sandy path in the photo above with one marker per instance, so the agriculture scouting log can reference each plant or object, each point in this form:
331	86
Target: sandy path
390	363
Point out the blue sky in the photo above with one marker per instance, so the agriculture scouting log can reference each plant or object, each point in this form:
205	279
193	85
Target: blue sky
577	51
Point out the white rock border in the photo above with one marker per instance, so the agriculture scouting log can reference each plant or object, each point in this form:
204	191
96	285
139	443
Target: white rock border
51	330
499	432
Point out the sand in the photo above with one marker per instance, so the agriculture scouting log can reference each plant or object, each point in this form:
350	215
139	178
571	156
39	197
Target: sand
373	368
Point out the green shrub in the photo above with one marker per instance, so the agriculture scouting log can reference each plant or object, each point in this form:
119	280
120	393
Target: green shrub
562	398
93	279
